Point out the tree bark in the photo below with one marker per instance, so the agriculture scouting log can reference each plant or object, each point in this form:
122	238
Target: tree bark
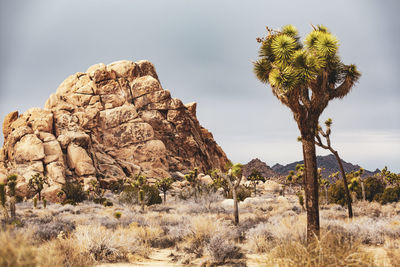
363	189
326	194
5	213
235	206
12	207
311	186
346	187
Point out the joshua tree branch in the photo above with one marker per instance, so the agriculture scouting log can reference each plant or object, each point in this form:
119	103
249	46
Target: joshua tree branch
343	89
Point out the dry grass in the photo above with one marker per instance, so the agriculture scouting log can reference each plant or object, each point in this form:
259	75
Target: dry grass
330	250
201	232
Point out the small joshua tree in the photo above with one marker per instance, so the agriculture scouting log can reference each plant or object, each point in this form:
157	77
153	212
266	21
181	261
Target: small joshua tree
140	183
255	177
192	178
36	184
233	177
390	177
11	184
3	201
164	185
95	192
356	182
219	181
326	134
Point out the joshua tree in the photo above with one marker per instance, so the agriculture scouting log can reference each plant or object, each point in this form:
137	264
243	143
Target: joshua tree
390	177
305	77
140	183
192	178
233	178
11	184
95	192
219	181
326	134
3	201
36	184
255	177
164	185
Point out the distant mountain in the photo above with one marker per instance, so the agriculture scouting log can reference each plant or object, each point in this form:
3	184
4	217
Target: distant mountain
260	166
327	163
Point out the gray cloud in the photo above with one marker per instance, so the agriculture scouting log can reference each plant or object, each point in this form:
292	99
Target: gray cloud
203	51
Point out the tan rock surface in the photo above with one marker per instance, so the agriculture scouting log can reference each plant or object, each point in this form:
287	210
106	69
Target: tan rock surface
108	123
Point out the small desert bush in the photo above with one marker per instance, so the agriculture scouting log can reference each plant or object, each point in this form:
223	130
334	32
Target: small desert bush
52	229
364	229
221	247
130	195
63	252
105	245
215	238
389	195
73	193
260	237
330	250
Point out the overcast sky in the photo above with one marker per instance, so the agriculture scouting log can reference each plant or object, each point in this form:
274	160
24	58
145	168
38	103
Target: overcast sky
203	52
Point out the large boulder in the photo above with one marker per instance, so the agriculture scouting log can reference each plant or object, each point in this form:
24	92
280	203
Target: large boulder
108	123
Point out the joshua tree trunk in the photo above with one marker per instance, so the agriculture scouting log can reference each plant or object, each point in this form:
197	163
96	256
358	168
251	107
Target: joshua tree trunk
346	187
363	189
326	194
12	207
311	185
165	197
5	213
235	206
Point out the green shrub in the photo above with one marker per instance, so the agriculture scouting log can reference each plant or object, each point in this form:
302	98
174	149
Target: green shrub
130	195
373	186
337	193
242	193
73	193
389	195
152	195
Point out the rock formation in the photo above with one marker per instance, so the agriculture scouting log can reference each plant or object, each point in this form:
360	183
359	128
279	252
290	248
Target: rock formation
108	123
260	166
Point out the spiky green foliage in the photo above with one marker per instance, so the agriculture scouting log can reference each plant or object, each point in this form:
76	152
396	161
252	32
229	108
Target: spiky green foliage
390	177
140	183
164	185
192	178
11	184
219	181
255	177
296	177
36	184
287	64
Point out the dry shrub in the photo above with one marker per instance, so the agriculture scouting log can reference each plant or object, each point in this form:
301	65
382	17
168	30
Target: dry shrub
330	250
260	237
365	208
63	252
366	230
263	236
148	236
105	245
115	245
16	249
216	238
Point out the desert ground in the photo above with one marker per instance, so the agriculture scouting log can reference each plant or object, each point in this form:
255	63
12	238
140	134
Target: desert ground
271	232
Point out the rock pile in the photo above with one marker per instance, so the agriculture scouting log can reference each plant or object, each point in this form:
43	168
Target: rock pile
111	122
